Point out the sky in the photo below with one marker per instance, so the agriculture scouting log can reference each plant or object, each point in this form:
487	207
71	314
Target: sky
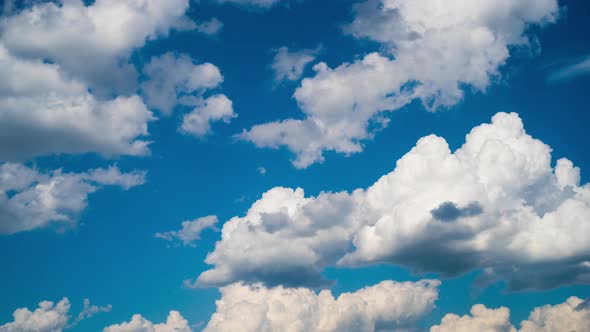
294	165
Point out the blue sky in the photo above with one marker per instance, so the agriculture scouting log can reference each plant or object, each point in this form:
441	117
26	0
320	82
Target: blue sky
103	246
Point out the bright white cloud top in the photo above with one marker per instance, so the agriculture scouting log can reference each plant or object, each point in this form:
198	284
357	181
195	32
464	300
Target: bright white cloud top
174	323
436	48
387	304
49	317
572	315
31	199
494	204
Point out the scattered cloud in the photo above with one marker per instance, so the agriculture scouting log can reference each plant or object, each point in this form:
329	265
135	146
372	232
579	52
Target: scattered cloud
175	322
262	170
289	65
210	27
388	304
190	231
567	316
49	317
213	109
176	80
496	205
433	52
31	199
570	70
90	310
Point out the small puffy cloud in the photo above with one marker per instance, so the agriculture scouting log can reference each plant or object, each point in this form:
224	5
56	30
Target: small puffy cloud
49	317
570	70
496	205
174	323
173	80
257	308
568	316
210	27
91	42
31	199
90	310
262	170
190	231
290	65
433	51
212	109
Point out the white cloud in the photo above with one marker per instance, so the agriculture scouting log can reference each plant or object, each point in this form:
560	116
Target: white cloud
49	317
214	108
31	199
262	170
176	80
91	42
174	323
252	3
45	112
190	231
495	204
570	70
482	319
90	310
387	304
290	65
571	315
435	47
210	27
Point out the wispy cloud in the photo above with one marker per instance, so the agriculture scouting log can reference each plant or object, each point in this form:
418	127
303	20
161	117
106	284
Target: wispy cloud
569	69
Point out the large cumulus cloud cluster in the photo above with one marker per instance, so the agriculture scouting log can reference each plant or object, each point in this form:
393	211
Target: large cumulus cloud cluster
496	204
434	49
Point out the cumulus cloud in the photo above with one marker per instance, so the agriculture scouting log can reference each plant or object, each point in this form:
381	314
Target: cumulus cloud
31	199
190	231
388	304
45	112
289	65
212	109
434	49
496	205
210	27
174	323
91	42
567	316
176	80
49	317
